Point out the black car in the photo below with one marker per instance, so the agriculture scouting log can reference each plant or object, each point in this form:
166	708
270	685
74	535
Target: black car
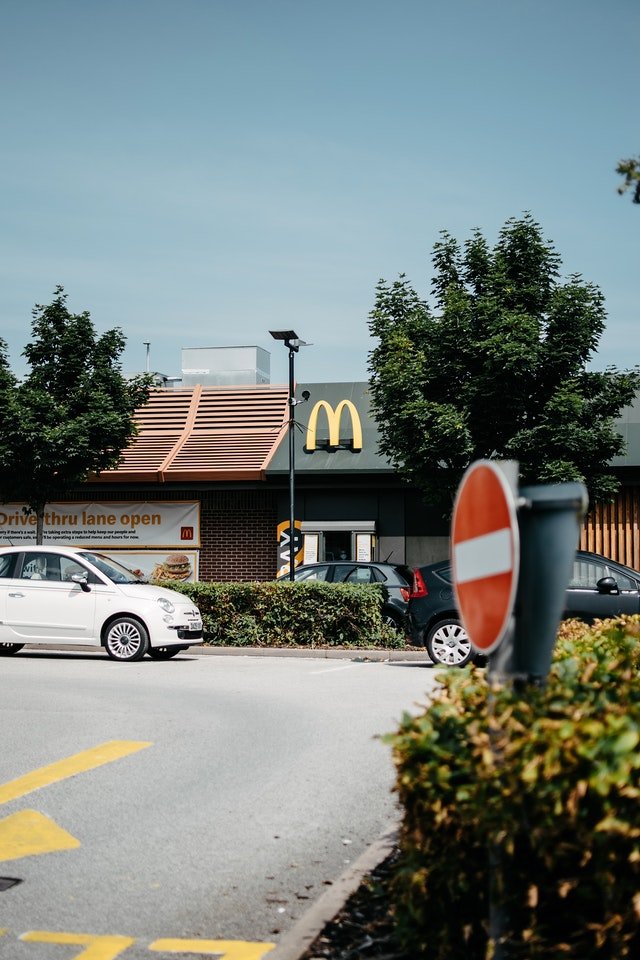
395	577
598	588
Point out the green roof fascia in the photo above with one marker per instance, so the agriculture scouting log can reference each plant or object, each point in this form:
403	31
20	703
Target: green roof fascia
336	460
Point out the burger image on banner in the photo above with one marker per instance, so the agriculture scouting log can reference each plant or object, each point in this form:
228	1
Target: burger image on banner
176	566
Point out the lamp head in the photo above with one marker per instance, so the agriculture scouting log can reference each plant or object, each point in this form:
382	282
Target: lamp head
290	339
285	335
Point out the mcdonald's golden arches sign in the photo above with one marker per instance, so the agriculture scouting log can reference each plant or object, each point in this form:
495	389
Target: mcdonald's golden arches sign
334	416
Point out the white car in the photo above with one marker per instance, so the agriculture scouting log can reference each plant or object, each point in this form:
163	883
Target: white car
66	595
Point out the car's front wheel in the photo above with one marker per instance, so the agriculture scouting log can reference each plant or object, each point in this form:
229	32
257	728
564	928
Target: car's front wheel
126	639
8	649
163	653
448	644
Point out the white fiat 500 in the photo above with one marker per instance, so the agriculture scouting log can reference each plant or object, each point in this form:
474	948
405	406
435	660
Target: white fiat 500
69	595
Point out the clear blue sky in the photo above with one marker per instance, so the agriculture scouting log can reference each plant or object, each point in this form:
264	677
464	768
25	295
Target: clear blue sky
201	171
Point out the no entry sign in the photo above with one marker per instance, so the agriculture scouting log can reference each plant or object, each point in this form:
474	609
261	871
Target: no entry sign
485	553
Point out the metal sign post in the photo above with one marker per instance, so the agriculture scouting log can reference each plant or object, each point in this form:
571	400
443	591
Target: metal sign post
512	556
510	577
549	518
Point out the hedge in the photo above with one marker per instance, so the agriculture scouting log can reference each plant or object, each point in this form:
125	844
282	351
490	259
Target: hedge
536	792
284	614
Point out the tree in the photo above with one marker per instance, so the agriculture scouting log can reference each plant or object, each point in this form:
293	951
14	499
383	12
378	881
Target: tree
71	416
630	170
497	370
7	391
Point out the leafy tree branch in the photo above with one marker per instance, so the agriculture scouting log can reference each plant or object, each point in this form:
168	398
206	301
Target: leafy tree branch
496	366
630	170
73	413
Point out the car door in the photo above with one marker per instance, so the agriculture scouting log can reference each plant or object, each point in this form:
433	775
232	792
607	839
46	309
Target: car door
585	600
8	563
44	605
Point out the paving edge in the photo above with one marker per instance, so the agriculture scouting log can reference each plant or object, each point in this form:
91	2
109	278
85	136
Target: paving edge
301	936
328	653
207	650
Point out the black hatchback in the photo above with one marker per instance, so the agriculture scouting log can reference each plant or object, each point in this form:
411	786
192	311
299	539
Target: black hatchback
395	577
598	588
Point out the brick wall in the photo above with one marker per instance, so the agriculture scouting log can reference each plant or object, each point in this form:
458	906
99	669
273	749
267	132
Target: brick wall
238	531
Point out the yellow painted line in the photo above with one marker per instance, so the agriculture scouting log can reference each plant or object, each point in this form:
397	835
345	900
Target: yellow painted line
98	947
78	763
225	949
29	833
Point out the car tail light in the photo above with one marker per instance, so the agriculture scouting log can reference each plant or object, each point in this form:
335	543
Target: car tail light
419	587
405	593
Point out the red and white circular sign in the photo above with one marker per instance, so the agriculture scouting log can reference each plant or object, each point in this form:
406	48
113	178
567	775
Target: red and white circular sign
485	554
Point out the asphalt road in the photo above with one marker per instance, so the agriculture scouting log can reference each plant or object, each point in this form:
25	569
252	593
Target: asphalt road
235	790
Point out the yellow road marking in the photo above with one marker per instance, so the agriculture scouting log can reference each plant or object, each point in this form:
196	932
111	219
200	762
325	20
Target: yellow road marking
226	949
78	763
28	833
98	948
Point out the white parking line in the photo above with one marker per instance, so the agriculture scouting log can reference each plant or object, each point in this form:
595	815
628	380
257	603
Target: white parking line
346	666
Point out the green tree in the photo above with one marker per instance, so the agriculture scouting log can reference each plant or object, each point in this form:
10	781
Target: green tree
496	369
7	399
71	416
630	170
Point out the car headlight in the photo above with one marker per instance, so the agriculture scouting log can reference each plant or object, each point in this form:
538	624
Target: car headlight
166	605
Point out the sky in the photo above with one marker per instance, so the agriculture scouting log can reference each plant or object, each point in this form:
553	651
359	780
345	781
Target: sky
199	172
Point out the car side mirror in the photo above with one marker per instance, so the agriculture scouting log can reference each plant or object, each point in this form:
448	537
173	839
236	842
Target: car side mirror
607	585
82	579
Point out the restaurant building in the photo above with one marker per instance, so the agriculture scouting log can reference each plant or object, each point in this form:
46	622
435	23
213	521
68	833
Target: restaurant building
202	492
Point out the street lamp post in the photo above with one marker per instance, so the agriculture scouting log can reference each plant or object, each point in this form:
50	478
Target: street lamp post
293	343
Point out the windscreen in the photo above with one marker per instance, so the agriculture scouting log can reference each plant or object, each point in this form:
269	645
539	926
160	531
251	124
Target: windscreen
115	571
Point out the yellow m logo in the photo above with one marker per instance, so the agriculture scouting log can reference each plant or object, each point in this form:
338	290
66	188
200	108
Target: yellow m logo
333	419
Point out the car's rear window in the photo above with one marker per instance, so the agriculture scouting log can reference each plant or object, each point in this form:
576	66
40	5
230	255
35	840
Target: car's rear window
445	573
405	573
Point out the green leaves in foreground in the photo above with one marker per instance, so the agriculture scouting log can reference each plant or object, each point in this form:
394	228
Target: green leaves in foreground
535	793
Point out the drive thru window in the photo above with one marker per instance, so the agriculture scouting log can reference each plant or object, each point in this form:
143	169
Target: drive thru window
336	540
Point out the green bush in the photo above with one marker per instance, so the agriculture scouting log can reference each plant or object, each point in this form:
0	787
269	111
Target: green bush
541	784
284	614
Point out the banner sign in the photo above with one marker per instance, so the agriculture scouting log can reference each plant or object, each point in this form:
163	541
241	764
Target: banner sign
311	545
181	567
364	547
169	523
284	546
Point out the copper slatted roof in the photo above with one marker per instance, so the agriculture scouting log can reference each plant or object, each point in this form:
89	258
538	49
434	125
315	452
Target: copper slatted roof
204	433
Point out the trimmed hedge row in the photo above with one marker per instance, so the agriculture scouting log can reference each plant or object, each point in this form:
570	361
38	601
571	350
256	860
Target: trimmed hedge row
537	791
285	614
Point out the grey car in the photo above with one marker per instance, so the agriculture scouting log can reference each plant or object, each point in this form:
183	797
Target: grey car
395	577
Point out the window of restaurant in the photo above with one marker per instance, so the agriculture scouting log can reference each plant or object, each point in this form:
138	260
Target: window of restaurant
339	540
